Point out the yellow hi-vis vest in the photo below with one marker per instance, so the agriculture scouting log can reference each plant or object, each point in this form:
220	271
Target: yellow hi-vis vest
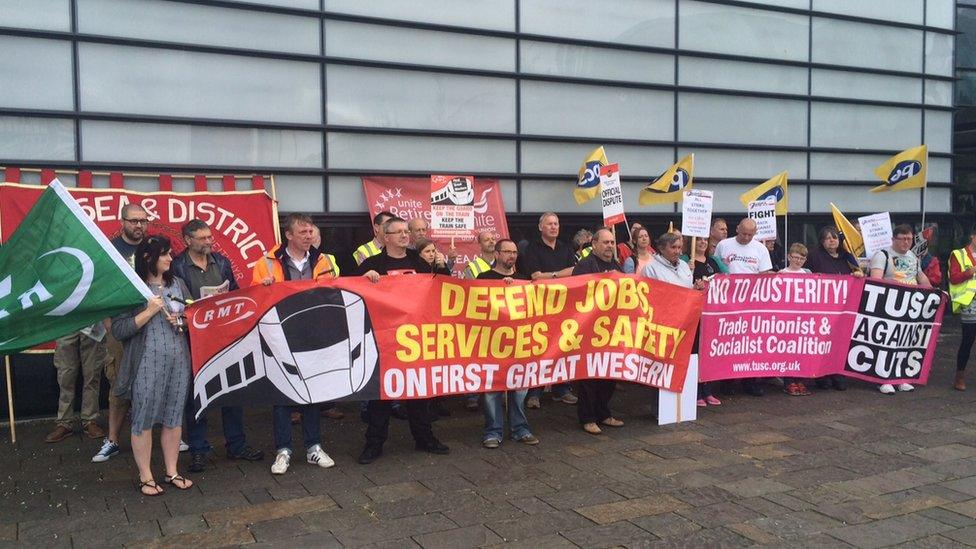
365	252
962	294
476	267
335	266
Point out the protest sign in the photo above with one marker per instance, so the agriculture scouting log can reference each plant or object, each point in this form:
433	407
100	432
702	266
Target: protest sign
244	223
348	338
815	325
876	232
676	407
696	213
613	196
409	198
764	213
451	206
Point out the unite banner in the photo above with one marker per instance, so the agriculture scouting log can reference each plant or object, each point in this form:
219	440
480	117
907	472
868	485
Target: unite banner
814	325
409	198
350	339
244	223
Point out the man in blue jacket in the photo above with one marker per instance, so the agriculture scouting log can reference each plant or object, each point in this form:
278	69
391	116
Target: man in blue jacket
199	266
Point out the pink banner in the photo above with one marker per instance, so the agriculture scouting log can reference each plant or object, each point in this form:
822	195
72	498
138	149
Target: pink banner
809	326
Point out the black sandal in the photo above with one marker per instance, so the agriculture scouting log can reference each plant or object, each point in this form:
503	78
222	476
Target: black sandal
178	478
151	483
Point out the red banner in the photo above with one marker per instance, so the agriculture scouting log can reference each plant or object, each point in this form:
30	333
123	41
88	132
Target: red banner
409	197
243	222
308	341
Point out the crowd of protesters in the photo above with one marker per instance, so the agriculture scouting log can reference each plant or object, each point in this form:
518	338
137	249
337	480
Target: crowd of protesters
145	352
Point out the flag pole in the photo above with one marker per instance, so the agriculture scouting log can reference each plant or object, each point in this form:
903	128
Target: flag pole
924	188
10	399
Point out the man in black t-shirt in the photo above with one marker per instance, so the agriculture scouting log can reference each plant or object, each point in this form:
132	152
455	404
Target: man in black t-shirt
546	258
396	259
506	253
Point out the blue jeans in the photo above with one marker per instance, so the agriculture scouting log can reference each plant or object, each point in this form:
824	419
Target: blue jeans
232	418
559	390
311	425
495	420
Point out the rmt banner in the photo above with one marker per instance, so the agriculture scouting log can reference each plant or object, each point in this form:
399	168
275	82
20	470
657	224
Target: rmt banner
814	325
350	339
243	222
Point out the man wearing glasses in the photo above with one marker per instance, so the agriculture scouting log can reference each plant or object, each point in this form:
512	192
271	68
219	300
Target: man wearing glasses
135	224
899	263
201	267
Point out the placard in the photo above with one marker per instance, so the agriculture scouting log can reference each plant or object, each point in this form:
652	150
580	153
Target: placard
696	213
451	205
876	232
764	214
612	195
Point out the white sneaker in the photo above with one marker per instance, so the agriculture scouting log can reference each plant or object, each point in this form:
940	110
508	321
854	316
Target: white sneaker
106	452
317	456
184	446
281	462
887	389
905	387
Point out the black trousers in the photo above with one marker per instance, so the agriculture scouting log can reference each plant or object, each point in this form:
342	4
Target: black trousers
966	345
378	424
594	400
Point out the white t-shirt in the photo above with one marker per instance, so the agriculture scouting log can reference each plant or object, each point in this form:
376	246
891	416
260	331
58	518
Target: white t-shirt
898	267
751	258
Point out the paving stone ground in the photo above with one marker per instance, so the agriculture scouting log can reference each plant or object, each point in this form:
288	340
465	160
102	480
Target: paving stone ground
835	469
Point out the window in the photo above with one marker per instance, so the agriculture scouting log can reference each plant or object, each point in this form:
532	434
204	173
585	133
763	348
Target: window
864	126
739	75
36	73
742	120
743	31
638	22
543	157
408	153
485	14
863	45
596	63
27	138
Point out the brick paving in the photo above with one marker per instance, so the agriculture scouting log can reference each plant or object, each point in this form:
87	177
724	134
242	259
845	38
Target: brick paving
836	469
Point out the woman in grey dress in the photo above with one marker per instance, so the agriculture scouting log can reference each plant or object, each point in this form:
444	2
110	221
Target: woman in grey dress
155	372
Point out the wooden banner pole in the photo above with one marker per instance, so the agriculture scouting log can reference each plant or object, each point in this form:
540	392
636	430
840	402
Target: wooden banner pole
10	399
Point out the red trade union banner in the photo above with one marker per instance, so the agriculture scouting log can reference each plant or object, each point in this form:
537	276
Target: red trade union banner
351	339
243	222
409	197
806	326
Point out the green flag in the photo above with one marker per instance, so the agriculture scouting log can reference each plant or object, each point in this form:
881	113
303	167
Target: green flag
59	273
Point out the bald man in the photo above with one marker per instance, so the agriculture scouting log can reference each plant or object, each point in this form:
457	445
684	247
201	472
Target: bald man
742	253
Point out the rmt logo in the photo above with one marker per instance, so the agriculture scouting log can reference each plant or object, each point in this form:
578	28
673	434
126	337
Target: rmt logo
591	175
905	169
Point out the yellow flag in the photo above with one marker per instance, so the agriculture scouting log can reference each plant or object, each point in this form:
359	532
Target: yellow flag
851	242
905	170
588	184
774	187
668	187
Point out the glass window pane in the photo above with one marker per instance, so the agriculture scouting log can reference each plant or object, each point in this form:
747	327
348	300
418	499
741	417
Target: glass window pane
557	196
938	131
940	170
938	200
966	88
799	4
938	54
300	193
182	83
740	75
641	22
863	45
360	96
299	4
483	14
858	200
864	126
587	62
36	14
746	164
724	119
939	93
966	42
938	13
167	144
36	73
346	194
866	86
392	152
596	111
743	31
845	167
541	157
425	47
36	138
195	24
905	11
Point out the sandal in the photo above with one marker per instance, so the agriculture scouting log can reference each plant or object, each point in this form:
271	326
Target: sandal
151	484
185	484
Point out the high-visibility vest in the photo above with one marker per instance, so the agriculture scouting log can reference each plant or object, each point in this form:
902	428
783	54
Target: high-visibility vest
271	266
581	255
365	252
476	267
962	294
335	266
